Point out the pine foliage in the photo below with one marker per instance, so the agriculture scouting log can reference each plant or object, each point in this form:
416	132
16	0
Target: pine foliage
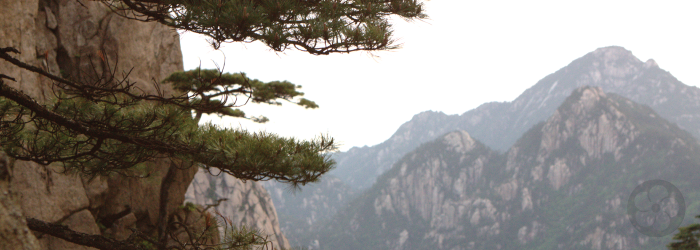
686	238
99	123
95	134
314	26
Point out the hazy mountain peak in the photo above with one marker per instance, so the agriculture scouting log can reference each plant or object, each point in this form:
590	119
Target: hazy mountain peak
577	113
563	184
650	63
589	95
613	52
596	122
613	69
427	115
460	141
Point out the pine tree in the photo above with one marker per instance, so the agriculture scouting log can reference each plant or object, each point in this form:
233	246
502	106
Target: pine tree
687	238
314	26
100	124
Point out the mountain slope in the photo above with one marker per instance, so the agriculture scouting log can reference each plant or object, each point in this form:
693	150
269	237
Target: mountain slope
563	185
300	212
358	167
247	203
499	125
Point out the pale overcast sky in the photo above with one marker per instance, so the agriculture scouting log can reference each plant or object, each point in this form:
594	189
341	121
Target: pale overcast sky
466	54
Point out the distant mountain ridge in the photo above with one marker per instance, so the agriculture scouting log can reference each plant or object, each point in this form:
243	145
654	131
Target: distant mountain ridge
299	212
563	185
497	125
500	124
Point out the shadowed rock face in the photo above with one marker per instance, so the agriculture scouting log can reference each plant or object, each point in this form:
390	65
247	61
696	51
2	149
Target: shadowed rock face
248	203
13	229
563	185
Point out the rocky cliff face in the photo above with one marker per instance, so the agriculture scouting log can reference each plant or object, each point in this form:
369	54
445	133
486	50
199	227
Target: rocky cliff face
301	211
14	233
63	37
247	203
563	185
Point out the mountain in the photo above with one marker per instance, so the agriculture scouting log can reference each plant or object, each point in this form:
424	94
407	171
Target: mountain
359	167
300	211
500	124
247	203
564	184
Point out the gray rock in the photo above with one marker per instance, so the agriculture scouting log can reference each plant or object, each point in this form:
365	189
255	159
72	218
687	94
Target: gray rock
63	39
563	183
248	203
51	22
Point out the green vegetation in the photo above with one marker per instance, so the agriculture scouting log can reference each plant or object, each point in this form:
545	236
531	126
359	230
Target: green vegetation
316	27
100	124
687	238
189	206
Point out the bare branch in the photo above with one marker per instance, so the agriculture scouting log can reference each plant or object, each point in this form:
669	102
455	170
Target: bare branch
65	233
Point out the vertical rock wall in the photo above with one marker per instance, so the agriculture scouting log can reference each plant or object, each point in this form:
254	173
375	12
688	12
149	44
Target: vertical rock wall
62	37
248	203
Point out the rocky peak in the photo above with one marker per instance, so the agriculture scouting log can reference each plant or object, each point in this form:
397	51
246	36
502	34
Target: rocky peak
499	125
650	63
460	141
612	53
409	131
369	162
588	96
552	189
614	69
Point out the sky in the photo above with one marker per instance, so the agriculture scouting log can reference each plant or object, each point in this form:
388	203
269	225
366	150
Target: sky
467	53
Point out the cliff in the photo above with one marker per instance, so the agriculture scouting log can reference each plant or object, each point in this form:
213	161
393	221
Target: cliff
64	37
247	203
301	211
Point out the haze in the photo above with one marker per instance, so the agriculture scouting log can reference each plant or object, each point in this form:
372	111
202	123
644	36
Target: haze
466	54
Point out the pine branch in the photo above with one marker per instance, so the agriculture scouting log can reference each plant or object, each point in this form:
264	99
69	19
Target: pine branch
65	233
43	112
317	27
99	139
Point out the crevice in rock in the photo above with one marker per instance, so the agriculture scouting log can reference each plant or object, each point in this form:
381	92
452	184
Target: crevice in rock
109	220
5	167
65	63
